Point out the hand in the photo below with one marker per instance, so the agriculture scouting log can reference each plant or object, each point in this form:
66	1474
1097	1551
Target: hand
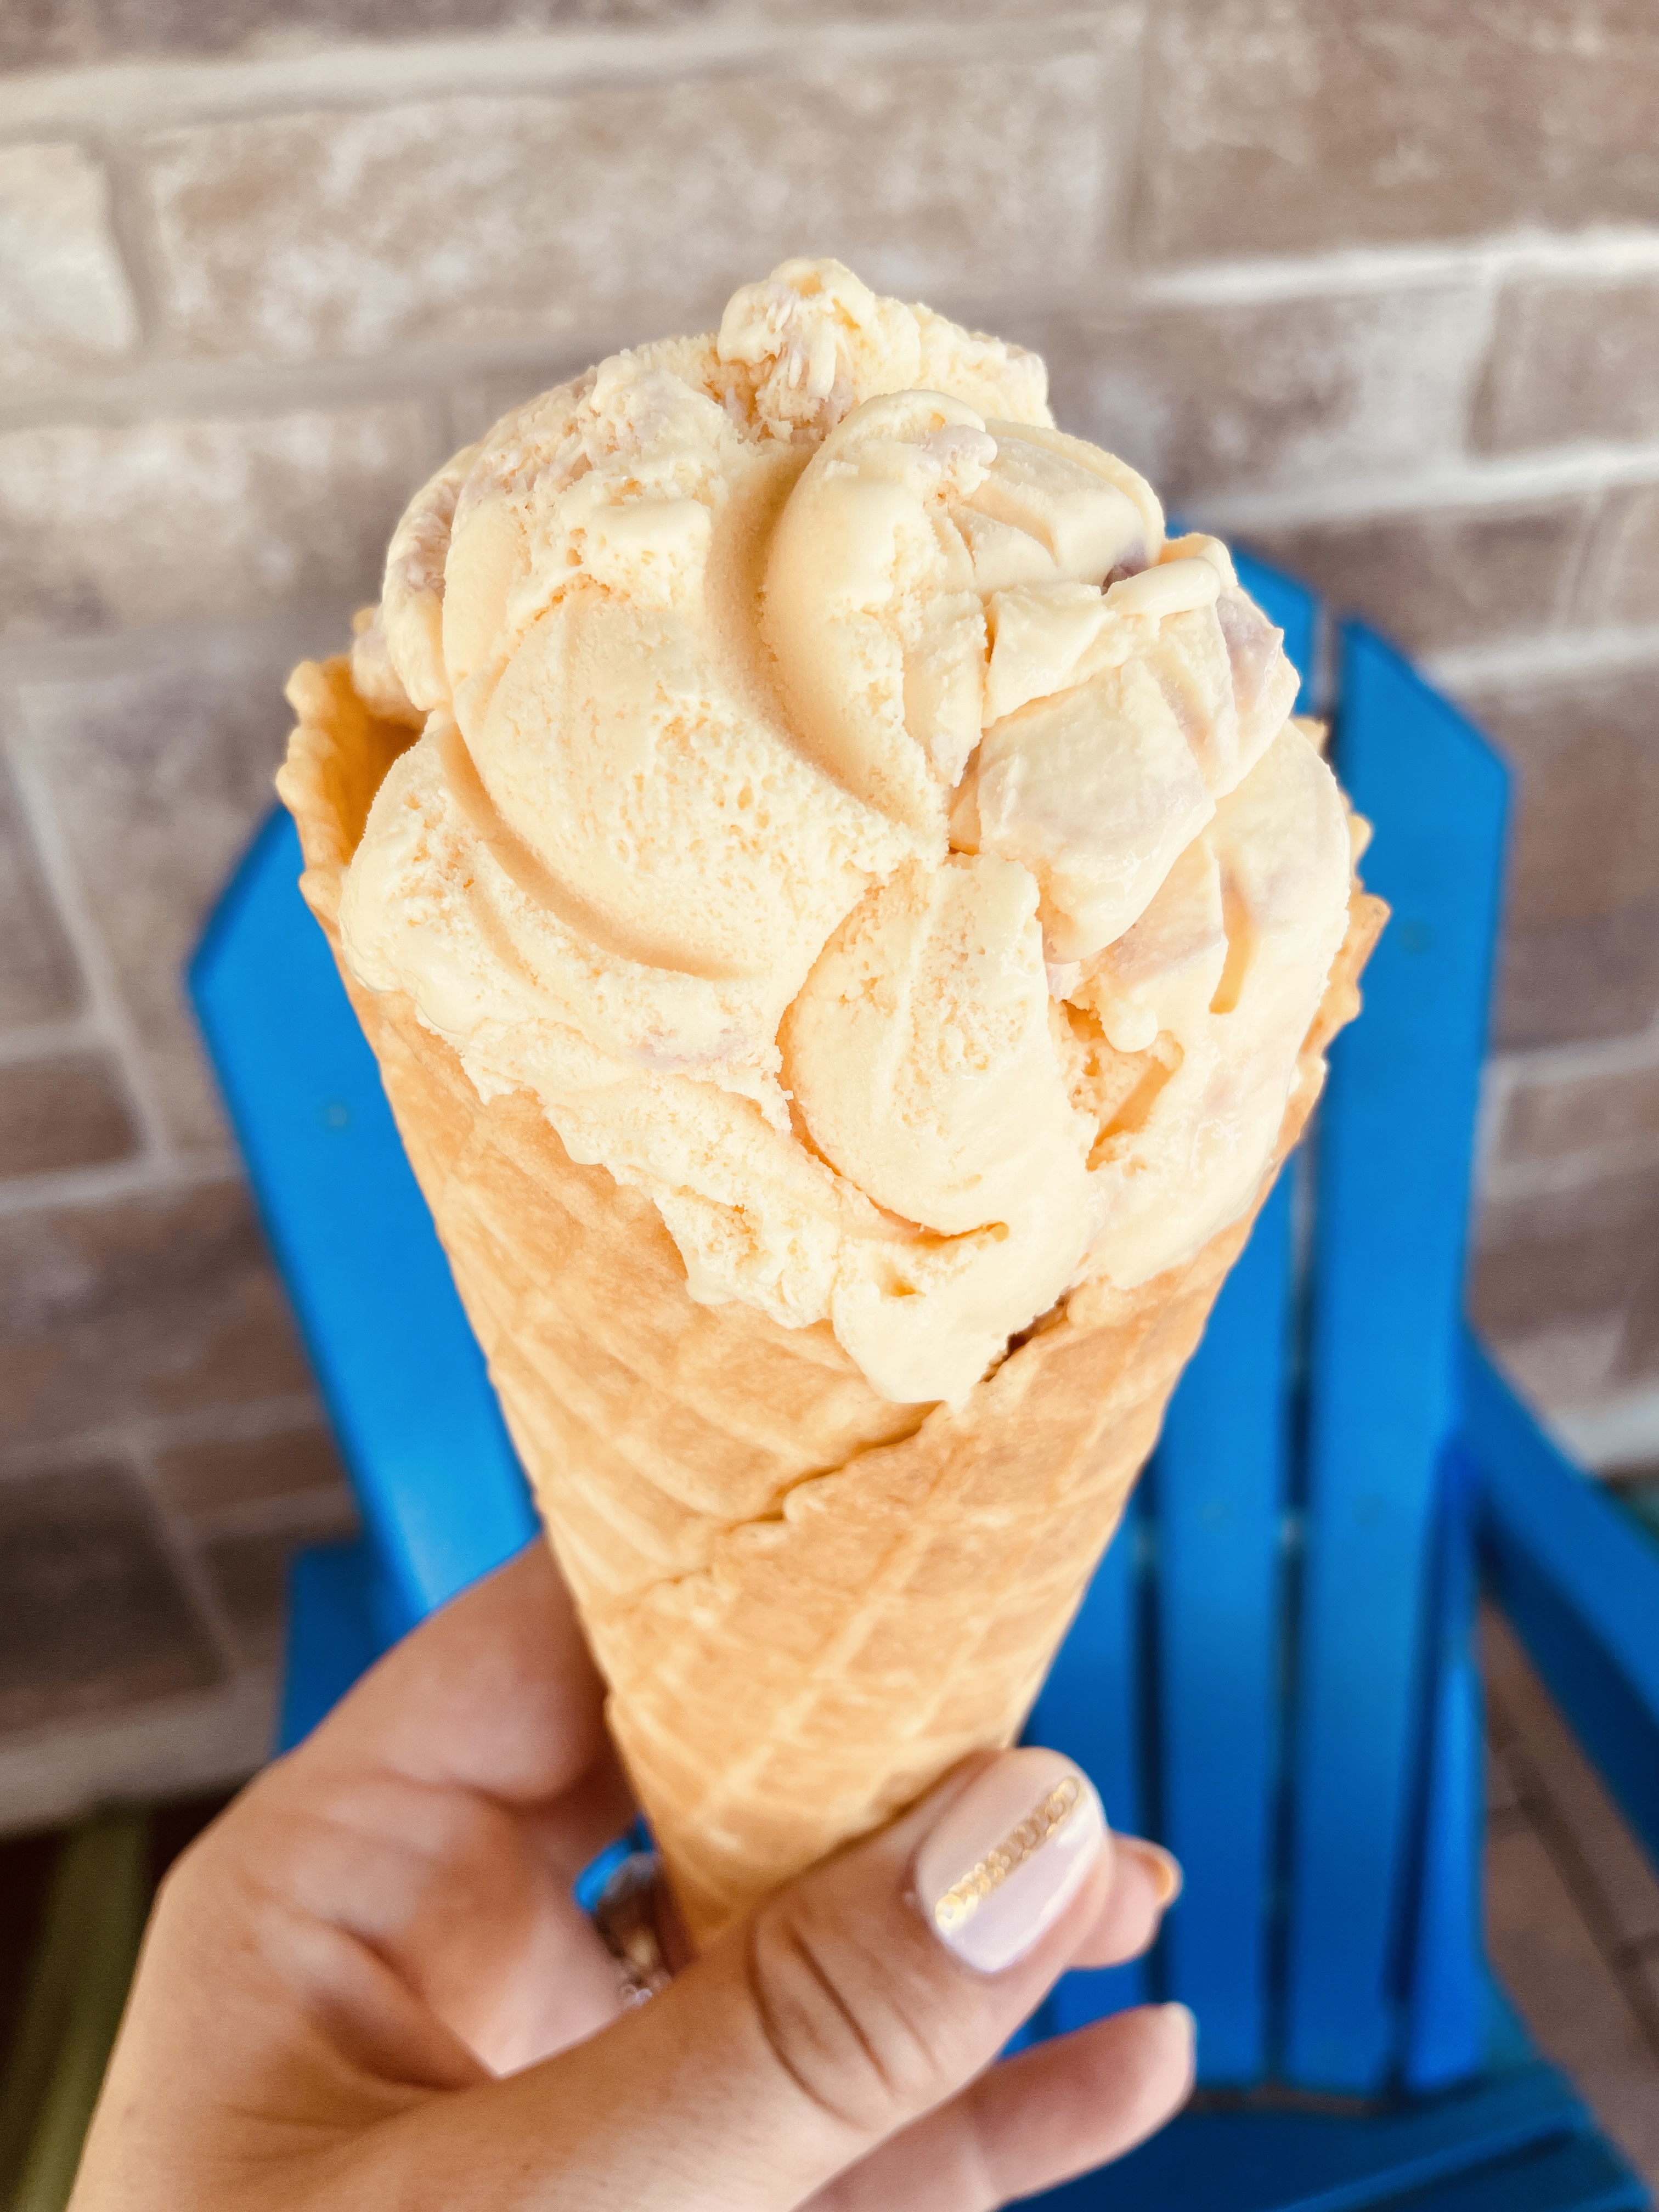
367	1985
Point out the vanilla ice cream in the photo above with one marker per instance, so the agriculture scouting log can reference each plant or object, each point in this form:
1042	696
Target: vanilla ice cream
856	822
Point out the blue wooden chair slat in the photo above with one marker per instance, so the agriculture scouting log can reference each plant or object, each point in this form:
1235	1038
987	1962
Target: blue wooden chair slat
1447	2023
1580	1585
1578	2174
1395	1147
336	1631
1218	1489
1091	1708
1304	2162
1206	1628
367	1277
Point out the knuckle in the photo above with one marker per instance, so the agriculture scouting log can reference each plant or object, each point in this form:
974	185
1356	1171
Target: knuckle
856	2025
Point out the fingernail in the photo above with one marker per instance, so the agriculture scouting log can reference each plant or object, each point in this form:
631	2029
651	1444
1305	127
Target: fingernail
1009	1856
1164	1867
1188	2018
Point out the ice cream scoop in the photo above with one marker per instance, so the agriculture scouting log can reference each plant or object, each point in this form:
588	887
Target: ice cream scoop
857	826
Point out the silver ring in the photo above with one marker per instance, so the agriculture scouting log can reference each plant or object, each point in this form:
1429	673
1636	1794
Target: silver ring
626	1917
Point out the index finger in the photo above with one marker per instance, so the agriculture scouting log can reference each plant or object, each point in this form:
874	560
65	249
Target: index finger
496	1692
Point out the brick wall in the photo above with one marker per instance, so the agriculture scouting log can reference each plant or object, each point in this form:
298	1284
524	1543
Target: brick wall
1373	284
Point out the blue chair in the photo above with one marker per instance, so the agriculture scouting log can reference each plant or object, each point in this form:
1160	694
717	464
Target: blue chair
1273	1671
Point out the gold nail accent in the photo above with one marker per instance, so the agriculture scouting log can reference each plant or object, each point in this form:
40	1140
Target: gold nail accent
1040	1826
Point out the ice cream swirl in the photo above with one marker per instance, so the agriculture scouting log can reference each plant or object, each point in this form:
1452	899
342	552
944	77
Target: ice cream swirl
856	822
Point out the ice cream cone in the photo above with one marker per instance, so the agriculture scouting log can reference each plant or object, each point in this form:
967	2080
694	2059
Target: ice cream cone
808	1602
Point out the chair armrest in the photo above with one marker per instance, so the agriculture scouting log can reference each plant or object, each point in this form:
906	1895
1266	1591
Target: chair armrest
403	1378
1578	1581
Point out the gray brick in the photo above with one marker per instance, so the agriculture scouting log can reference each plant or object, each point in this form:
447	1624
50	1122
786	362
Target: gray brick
140	1307
250	1573
69	1112
1559	1785
1565	1255
1568	1994
60	34
1563	1365
1620	580
1457	577
633	209
1563	981
1542	1120
1636	1359
1587	756
1583	956
1284	392
39	981
1572	359
1570	1910
1501	1799
157	780
1290	125
924	12
1640	1978
65	300
165	521
92	1613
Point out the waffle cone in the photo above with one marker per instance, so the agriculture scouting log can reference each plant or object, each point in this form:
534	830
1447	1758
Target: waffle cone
808	1603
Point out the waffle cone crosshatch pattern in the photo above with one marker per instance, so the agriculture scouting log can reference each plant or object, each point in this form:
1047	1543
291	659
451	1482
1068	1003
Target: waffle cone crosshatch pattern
1078	1407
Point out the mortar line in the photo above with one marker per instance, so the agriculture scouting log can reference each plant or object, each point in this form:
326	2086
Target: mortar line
319	1516
145	1175
1488	284
155	96
436	416
1586	254
289	1414
1490	482
1575	569
30	1041
167	386
186	1559
1552	654
86	941
1590	1057
1143	100
1618	1428
188	1743
1497	1087
226	644
130	229
1510	1182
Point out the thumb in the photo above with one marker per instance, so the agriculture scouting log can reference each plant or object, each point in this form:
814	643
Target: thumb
863	1996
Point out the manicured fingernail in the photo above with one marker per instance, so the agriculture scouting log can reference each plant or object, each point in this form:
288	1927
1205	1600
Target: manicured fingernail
1164	1867
1009	1856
